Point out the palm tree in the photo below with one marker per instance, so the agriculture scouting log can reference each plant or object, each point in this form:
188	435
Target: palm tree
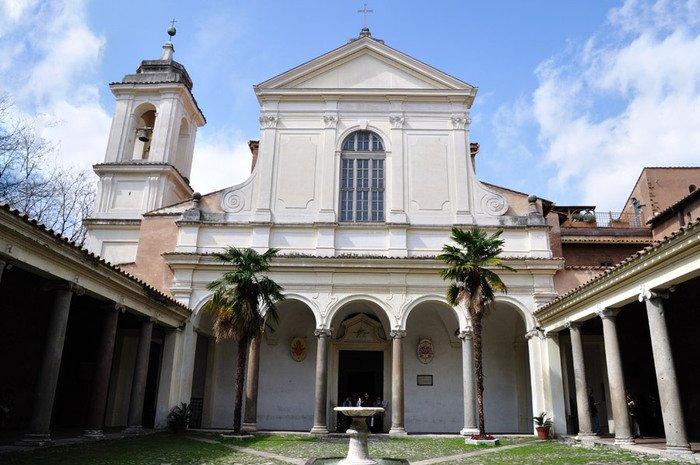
238	295
472	282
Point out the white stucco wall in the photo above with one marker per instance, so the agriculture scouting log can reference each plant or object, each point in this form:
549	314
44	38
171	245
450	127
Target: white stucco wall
286	387
437	408
506	372
221	394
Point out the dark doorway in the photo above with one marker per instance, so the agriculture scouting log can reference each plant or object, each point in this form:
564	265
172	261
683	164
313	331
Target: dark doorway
360	373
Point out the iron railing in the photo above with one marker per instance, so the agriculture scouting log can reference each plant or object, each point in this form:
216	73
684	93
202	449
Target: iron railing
596	219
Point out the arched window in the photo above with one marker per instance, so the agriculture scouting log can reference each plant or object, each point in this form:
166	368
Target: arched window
362	177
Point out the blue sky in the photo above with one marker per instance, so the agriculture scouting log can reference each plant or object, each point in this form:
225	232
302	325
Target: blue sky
574	97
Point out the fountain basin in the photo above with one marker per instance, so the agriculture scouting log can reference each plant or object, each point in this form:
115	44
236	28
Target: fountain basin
354	412
358	453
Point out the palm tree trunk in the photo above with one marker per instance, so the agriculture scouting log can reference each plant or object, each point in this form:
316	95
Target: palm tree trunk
240	379
479	370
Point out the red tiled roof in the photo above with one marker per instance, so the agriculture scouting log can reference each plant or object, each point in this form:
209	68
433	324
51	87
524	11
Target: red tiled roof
152	291
639	255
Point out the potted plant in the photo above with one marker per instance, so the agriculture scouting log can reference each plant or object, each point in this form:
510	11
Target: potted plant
179	418
584	219
542	425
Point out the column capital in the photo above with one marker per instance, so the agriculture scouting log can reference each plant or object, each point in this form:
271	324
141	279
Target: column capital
64	286
330	120
322	332
572	325
398	333
534	332
268	121
397	121
648	294
468	333
608	313
113	306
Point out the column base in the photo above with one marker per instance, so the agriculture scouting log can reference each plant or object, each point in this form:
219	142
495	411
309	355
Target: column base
319	430
133	429
401	431
249	427
469	431
586	438
681	450
93	434
34	439
624	441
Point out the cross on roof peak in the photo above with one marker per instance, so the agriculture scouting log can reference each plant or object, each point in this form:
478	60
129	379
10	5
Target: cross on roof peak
364	10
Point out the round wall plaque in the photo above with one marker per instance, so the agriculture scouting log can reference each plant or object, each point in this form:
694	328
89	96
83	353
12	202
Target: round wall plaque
298	349
425	351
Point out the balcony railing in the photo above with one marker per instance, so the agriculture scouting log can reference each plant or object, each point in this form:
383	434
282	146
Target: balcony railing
595	219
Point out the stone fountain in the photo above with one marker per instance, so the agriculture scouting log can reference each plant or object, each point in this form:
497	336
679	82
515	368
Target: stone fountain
358	452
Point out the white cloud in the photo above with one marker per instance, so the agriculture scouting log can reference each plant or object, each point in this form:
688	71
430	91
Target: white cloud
629	97
47	64
220	160
14	10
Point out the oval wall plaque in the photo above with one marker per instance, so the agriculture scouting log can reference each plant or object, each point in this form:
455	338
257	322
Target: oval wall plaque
425	351
298	349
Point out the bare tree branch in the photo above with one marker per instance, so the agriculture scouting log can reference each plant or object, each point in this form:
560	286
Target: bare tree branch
34	182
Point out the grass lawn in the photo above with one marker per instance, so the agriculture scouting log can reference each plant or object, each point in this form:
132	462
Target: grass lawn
162	449
146	450
409	448
555	453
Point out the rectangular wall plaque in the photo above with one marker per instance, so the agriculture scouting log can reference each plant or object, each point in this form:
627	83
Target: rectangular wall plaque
425	380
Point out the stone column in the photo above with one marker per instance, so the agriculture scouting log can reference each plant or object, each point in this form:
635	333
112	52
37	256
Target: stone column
468	390
321	388
45	391
616	377
103	369
250	416
138	382
3	266
585	428
397	426
669	395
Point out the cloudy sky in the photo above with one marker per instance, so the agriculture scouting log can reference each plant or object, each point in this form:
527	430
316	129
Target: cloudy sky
574	97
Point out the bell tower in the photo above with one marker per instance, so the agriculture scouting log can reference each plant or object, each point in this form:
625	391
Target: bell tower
149	153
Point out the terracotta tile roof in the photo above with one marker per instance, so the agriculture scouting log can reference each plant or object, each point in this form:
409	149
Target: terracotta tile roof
663	214
606	240
147	288
639	255
586	267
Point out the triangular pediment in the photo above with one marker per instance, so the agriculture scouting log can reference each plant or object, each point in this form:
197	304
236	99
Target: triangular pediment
365	64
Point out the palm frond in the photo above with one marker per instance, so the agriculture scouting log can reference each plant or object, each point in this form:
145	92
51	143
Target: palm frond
239	292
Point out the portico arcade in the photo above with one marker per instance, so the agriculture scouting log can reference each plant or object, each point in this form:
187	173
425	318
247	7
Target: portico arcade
361	346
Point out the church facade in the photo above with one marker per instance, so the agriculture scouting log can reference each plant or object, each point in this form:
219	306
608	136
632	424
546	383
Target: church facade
364	165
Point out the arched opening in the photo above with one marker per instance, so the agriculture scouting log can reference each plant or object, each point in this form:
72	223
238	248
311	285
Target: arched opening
507	390
213	377
433	370
183	146
359	361
143	125
287	370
